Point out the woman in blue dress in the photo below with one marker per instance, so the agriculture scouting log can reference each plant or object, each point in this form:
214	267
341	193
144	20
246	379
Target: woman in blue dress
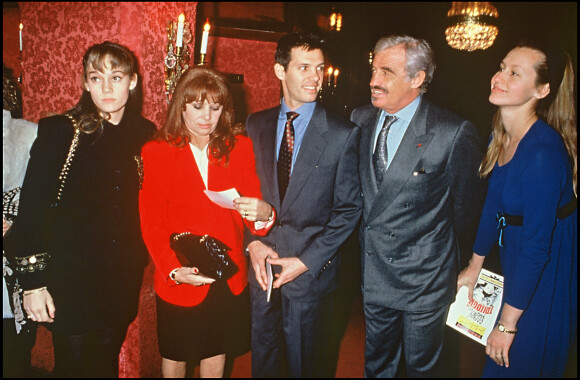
531	210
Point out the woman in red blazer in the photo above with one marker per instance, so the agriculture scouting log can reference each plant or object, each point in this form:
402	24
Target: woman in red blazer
199	148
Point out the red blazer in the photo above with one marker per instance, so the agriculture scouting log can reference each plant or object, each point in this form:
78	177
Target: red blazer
172	200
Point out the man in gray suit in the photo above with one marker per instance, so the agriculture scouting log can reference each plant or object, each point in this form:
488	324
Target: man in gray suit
421	191
308	169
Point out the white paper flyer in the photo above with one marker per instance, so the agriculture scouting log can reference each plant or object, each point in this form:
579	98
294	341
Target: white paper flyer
223	198
476	319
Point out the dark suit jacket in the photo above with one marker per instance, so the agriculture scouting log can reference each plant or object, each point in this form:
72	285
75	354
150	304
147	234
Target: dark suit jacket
322	204
430	194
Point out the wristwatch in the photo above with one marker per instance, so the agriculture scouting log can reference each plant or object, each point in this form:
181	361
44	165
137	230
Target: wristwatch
502	328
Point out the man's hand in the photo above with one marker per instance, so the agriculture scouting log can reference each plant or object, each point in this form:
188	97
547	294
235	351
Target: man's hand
258	253
292	268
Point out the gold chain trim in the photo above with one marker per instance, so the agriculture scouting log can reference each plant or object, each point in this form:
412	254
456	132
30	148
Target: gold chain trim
177	236
38	261
32	263
71	153
139	161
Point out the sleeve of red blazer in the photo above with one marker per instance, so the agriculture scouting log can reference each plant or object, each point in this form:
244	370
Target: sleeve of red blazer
158	158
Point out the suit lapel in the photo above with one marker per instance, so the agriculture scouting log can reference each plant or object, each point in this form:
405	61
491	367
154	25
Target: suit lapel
268	152
368	182
410	151
311	149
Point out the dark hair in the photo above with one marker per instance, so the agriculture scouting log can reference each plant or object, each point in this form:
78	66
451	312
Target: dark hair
307	41
12	98
197	84
88	116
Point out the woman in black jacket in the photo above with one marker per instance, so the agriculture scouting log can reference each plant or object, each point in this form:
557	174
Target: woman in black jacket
77	244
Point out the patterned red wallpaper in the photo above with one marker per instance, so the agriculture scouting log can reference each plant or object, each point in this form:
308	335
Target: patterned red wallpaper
253	59
57	35
10	40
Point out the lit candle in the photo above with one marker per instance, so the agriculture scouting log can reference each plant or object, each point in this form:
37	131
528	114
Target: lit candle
329	72
179	39
21	26
204	37
335	76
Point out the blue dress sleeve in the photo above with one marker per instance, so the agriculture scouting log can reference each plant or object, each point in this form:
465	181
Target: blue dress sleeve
487	233
543	177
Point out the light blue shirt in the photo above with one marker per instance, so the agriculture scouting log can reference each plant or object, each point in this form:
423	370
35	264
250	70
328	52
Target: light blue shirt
398	128
304	112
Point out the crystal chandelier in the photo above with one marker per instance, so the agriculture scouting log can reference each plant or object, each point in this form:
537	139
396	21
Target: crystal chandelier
472	26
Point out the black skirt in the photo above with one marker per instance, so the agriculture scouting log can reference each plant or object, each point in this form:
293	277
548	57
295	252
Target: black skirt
219	325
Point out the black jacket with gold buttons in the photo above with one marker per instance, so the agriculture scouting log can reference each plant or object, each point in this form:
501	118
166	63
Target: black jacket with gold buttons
87	250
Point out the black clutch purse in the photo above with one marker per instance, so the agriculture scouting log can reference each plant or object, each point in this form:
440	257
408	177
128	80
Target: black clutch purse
206	253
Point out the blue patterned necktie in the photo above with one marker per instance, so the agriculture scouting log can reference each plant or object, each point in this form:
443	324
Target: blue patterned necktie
381	154
285	155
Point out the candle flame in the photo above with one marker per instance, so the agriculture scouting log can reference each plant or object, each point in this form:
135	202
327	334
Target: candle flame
21	26
206	26
181	18
329	71
336	72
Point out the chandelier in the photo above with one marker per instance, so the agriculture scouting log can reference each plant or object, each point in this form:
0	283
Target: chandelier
472	26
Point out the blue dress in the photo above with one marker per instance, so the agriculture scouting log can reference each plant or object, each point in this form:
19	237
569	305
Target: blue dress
538	259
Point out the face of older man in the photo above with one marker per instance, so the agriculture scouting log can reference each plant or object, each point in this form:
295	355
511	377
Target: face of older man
391	88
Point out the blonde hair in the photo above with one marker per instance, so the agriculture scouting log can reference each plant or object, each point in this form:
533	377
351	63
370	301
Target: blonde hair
557	109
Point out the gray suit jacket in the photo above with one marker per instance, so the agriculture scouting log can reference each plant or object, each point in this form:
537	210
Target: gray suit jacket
430	194
322	204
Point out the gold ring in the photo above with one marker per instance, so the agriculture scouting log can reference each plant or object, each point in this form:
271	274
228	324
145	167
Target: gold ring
245	214
499	355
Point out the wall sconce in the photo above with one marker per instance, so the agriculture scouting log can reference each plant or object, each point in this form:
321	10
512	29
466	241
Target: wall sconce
177	58
331	76
472	26
336	21
329	72
204	40
20	27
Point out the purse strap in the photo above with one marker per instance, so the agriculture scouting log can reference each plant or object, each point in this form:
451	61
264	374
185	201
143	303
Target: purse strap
69	157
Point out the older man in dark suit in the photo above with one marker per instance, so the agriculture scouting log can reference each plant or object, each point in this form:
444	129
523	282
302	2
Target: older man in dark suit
419	177
307	161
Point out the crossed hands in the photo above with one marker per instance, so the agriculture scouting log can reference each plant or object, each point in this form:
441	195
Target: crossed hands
292	267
